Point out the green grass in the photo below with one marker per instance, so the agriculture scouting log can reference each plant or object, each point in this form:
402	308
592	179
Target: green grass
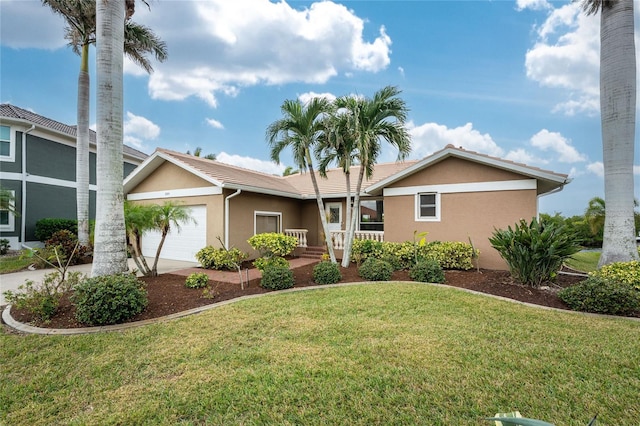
585	261
13	264
359	355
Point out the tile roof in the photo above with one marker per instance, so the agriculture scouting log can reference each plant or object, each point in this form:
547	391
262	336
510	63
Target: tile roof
298	185
17	113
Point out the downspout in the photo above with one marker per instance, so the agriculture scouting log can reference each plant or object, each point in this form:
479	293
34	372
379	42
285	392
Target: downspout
226	217
23	207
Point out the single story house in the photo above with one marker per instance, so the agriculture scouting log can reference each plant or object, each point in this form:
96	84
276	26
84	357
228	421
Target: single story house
38	166
453	194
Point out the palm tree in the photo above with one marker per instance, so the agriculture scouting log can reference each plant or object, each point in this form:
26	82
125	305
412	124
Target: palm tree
301	128
168	215
80	17
110	254
198	152
370	122
338	145
289	170
618	111
595	215
138	219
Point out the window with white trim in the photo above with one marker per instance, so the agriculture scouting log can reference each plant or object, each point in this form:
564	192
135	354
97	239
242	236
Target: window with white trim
7	218
7	144
428	206
266	222
371	215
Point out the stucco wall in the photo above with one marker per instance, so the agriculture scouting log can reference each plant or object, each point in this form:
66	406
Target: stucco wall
241	214
169	176
466	215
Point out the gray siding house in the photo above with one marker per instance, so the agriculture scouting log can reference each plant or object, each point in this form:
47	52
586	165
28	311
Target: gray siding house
38	165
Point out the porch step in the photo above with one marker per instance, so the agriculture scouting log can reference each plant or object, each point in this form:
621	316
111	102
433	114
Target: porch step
313	252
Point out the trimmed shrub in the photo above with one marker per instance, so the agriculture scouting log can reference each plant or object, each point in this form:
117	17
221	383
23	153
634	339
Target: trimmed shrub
624	272
109	299
220	258
449	254
197	280
326	273
65	242
46	227
602	296
535	251
427	271
262	263
43	299
271	244
375	270
361	250
277	277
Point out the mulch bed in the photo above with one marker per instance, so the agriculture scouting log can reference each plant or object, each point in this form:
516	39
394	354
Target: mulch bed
168	294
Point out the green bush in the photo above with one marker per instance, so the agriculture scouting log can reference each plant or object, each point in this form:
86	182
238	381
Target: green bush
66	244
277	277
449	254
375	270
602	296
220	258
264	262
534	252
197	280
427	271
4	246
42	300
271	244
624	272
109	299
326	273
46	227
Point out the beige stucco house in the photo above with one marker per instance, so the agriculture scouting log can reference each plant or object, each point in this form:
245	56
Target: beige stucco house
453	194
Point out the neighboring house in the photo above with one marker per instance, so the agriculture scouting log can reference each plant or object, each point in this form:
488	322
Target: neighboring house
453	194
38	165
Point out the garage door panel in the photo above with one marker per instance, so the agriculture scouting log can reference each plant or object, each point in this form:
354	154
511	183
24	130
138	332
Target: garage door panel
183	244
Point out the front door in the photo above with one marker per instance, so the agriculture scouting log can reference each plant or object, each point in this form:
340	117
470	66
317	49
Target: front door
334	216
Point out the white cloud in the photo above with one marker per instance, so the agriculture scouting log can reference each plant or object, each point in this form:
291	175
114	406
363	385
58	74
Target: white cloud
596	168
520	155
555	142
636	170
566	56
401	71
306	97
137	129
214	123
250	42
430	137
251	163
46	30
532	4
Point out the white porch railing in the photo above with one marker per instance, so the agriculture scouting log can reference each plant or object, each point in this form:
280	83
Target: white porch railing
300	234
338	237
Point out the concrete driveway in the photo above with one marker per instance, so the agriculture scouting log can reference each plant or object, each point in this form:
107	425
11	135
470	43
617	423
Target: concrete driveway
13	281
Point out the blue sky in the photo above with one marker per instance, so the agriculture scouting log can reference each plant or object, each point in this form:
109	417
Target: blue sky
513	79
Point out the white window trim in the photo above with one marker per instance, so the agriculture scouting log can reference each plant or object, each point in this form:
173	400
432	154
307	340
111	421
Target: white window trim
12	145
419	218
257	213
10	227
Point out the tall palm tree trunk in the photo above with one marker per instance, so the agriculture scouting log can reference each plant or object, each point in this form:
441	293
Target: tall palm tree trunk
82	149
347	230
323	216
618	110
346	257
110	254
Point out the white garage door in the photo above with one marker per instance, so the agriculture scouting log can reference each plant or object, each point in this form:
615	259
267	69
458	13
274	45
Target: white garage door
181	245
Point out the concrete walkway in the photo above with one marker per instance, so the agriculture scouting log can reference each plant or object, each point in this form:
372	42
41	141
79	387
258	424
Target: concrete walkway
14	280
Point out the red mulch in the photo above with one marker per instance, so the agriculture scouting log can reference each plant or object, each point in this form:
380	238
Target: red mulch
168	294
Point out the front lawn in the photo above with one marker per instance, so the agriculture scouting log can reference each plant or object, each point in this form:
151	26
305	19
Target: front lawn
9	264
585	261
367	354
